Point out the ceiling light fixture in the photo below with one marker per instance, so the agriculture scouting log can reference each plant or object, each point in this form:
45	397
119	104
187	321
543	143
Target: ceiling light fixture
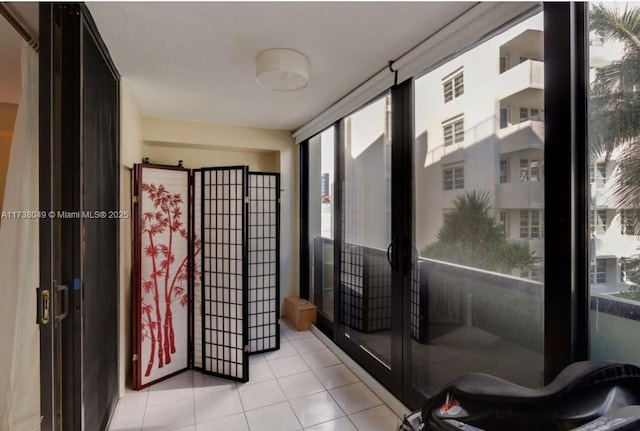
282	69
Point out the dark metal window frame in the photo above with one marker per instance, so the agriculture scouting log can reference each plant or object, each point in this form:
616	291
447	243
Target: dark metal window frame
566	162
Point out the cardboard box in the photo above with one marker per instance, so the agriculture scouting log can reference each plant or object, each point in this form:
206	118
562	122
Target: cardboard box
300	312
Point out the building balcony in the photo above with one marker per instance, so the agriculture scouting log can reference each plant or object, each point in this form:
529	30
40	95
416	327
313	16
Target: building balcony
528	44
522	136
613	244
523	84
601	195
520	194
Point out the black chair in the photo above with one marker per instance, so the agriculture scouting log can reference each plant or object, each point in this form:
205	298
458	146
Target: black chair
582	392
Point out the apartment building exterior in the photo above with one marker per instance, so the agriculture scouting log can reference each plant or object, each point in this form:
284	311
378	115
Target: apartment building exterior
480	126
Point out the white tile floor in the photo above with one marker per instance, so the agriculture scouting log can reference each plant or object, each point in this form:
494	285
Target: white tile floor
301	386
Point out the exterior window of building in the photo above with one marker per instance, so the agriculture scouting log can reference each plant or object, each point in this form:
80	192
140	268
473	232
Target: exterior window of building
598	174
531	224
453	131
504	171
453	178
504	63
504	117
453	87
524	114
630	222
598	221
530	170
598	272
502	220
532	114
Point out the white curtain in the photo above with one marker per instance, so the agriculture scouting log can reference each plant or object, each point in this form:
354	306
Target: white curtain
19	265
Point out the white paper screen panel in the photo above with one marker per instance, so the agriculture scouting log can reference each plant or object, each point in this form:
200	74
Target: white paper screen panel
263	277
224	287
197	276
161	312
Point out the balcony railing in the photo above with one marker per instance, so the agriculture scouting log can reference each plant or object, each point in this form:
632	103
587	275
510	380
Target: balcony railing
520	194
446	294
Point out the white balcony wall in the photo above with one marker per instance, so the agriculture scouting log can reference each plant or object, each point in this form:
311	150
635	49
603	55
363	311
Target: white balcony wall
521	194
521	136
518	85
614	243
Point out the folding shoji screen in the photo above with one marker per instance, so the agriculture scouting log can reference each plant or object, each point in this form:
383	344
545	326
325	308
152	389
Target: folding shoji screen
264	261
224	272
161	274
229	306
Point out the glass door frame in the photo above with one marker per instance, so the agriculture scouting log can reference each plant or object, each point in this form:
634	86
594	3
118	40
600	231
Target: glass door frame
391	377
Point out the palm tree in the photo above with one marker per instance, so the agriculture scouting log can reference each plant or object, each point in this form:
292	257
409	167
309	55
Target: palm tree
614	118
469	236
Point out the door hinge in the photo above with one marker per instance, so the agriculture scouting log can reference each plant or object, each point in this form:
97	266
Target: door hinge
134	199
134	358
247	349
246	199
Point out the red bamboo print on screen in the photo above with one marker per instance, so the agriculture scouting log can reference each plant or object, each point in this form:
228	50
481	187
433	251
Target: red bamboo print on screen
165	276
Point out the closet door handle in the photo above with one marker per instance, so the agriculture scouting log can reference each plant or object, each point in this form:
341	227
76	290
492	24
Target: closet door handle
65	301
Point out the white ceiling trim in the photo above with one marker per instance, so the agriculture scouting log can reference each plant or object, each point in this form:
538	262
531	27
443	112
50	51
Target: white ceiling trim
465	31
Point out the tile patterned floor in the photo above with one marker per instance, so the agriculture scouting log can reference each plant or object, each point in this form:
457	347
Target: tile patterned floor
302	386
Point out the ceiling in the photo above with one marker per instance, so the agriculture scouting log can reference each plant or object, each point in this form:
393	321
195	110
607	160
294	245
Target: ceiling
196	61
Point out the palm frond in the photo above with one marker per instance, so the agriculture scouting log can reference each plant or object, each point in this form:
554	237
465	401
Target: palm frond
611	23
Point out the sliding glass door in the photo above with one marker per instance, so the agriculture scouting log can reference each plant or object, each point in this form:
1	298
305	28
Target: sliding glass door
364	241
477	297
443	192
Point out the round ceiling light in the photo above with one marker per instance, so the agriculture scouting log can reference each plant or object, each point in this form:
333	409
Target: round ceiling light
282	69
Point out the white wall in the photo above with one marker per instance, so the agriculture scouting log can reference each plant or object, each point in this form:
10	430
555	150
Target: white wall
167	141
7	119
131	149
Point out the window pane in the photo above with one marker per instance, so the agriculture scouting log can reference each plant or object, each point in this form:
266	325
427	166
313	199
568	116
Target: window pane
448	134
321	189
524	114
471	309
524	170
459	130
614	138
365	274
504	117
459	85
448	91
504	171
